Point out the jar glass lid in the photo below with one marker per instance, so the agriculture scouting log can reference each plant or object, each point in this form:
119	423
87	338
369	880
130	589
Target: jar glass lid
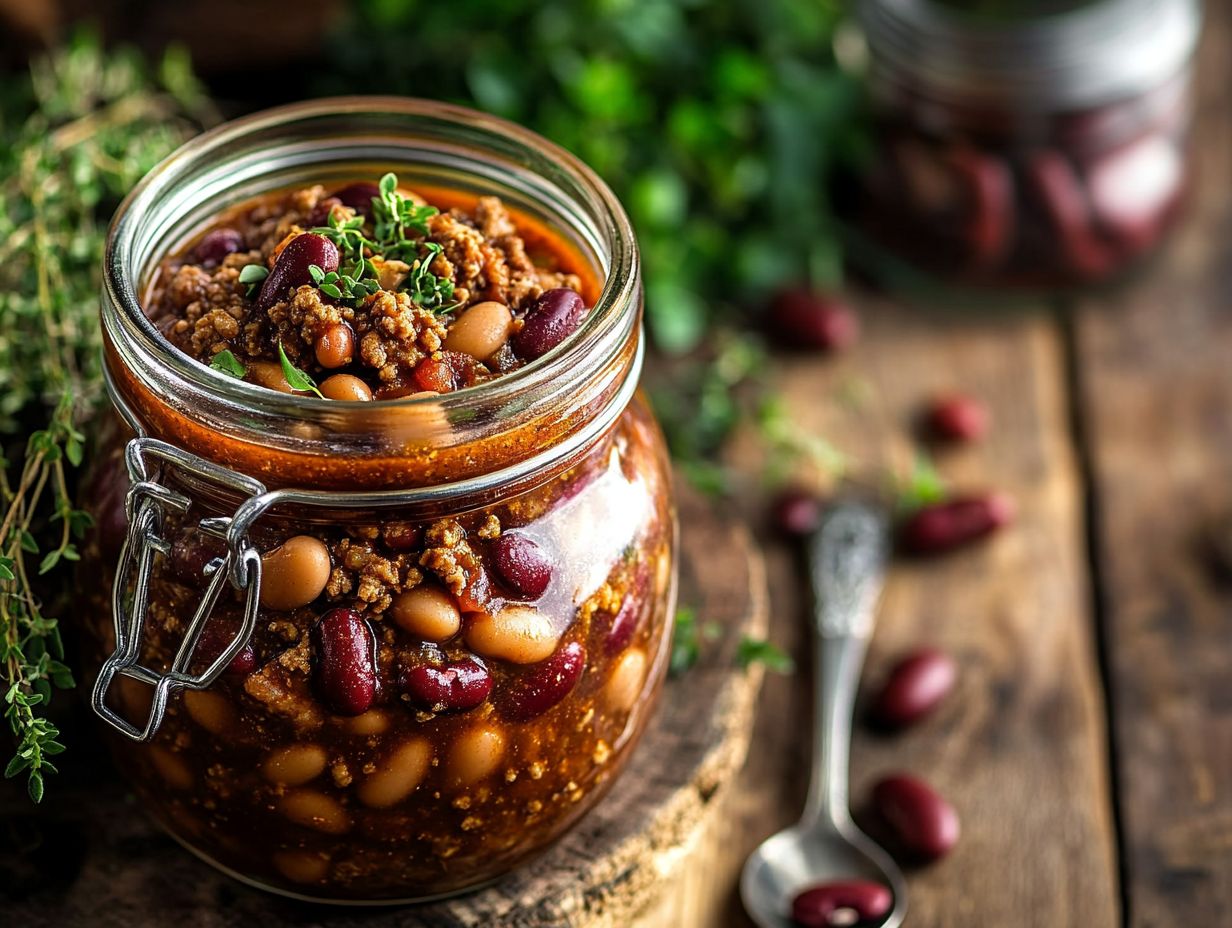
1062	53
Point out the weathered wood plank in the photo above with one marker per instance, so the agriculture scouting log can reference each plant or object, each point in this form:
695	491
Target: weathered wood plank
1021	747
88	857
1156	385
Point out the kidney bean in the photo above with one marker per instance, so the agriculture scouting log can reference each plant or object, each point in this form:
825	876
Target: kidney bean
216	245
812	320
537	689
942	527
923	822
521	563
294	573
455	687
914	688
1133	188
820	906
335	346
796	513
291	268
958	417
553	317
624	624
218	633
191	551
989	187
481	331
445	372
1064	201
345	388
358	196
345	671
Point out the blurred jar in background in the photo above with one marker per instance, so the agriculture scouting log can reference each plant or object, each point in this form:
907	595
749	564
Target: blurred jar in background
1027	144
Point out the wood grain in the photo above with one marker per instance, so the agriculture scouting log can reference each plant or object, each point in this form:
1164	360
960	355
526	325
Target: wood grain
90	858
1020	749
1156	388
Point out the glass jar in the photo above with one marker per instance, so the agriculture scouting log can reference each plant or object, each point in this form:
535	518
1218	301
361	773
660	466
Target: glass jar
1043	149
471	744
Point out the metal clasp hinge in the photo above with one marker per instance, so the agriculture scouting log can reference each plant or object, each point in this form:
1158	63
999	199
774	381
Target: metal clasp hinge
144	506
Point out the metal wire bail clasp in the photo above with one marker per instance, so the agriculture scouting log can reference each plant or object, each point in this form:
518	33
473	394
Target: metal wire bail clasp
145	505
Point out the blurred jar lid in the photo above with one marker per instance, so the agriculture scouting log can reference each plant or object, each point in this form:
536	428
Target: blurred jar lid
1043	54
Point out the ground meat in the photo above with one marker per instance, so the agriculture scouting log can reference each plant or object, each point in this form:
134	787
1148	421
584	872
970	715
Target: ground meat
451	558
487	259
212	309
206	310
369	577
396	334
283	686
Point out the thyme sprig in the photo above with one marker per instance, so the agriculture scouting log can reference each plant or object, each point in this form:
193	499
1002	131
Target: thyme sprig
74	139
399	233
352	286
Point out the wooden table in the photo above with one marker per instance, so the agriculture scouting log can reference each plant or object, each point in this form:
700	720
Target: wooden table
1089	746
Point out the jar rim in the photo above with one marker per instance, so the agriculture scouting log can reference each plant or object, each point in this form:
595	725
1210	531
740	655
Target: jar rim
1084	56
598	344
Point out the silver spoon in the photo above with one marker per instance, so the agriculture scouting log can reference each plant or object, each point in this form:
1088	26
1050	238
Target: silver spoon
847	558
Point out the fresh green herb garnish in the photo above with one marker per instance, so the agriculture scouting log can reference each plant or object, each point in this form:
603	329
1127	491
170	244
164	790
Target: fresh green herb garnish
760	651
393	215
922	487
394	218
351	286
253	275
687	638
426	289
347	234
227	363
296	378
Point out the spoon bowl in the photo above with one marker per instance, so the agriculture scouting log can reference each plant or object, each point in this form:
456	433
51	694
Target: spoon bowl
789	862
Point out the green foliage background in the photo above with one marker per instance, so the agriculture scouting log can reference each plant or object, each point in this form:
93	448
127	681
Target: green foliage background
717	122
